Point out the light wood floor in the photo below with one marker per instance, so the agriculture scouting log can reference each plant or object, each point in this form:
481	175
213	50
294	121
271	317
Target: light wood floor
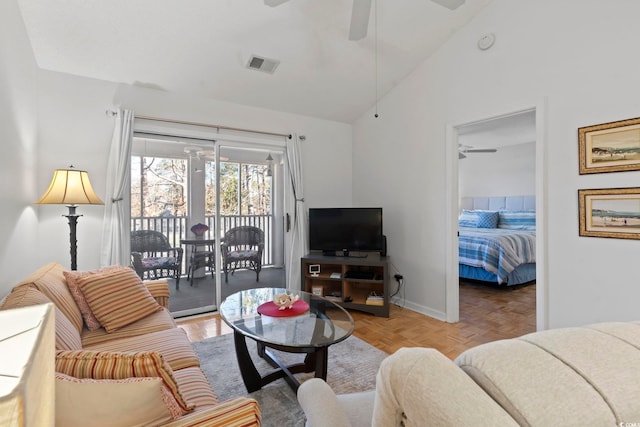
486	314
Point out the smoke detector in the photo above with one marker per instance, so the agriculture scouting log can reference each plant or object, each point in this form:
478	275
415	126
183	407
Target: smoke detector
259	63
486	41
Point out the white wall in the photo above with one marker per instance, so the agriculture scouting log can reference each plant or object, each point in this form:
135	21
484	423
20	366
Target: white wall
74	129
18	138
511	171
576	56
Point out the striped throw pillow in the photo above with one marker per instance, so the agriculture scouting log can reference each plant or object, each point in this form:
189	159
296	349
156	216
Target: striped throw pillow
105	365
113	403
117	298
72	282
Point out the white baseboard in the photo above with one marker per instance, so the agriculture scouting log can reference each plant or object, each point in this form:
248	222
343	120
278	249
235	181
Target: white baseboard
427	311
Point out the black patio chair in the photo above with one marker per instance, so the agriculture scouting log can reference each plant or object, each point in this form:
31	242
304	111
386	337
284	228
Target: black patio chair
153	257
242	248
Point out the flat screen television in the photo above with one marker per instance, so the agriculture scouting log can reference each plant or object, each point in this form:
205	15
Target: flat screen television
343	230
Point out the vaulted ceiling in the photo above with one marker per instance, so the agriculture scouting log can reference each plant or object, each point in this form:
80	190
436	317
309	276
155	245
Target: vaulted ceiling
202	47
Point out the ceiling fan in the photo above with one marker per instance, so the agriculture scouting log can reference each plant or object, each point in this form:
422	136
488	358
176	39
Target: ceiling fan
463	149
362	10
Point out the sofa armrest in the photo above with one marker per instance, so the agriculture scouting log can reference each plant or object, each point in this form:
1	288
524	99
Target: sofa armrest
159	290
320	405
235	412
421	386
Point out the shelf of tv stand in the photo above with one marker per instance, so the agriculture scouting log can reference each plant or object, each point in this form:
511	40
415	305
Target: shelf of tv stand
358	288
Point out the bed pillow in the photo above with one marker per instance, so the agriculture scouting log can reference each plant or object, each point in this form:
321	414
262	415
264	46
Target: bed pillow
117	298
467	219
478	219
487	219
126	402
517	220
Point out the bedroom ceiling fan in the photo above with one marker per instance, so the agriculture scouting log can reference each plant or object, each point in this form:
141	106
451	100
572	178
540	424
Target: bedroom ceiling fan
463	149
361	11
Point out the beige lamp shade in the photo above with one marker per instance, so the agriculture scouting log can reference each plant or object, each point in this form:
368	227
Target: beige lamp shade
70	187
27	366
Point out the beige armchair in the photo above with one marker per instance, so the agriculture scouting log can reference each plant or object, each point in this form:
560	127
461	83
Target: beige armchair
575	376
414	387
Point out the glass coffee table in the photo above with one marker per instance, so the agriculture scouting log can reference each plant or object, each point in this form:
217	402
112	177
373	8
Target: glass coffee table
312	332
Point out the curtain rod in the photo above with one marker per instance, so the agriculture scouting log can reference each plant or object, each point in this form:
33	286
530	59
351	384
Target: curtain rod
182	122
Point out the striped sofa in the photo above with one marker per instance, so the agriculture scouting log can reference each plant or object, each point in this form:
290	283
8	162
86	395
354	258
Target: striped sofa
151	344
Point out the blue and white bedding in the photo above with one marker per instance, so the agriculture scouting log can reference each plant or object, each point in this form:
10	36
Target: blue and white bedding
497	250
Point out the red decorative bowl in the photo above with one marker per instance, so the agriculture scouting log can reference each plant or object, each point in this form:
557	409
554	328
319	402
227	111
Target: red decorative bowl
270	309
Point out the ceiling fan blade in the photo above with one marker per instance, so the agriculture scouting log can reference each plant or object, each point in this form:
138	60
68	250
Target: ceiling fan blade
480	150
274	3
359	19
450	4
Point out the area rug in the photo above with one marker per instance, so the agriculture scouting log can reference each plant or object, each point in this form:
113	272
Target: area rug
352	367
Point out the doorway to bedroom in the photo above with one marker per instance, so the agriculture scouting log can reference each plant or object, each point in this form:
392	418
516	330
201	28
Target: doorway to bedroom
496	238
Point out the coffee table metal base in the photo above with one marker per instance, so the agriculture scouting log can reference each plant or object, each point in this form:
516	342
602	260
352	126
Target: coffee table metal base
315	360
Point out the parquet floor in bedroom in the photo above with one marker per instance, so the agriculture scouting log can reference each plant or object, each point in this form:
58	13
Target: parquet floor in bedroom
487	314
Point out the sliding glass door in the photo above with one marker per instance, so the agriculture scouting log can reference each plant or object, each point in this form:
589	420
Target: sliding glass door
194	191
250	197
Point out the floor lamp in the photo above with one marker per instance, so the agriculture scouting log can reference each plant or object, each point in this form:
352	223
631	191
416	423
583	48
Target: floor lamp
70	187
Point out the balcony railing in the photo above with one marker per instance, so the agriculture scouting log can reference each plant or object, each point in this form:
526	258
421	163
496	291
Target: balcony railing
175	228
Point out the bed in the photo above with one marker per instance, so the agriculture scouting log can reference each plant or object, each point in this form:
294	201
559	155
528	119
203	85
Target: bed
497	239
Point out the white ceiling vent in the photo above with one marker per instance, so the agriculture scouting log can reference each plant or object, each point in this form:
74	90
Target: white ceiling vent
265	65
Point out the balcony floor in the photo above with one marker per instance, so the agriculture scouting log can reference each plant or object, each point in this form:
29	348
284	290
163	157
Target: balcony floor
202	292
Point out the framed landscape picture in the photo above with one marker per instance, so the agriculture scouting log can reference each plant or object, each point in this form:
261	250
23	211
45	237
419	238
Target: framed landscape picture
610	212
610	147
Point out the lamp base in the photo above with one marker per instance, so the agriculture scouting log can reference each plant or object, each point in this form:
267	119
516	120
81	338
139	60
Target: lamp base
72	217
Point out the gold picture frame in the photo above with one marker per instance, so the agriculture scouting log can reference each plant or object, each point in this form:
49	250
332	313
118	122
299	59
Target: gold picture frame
610	212
610	147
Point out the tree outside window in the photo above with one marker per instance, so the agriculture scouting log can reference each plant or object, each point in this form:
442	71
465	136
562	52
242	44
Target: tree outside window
254	197
158	187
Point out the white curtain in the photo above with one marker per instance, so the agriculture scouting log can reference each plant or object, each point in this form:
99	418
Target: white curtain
116	246
297	234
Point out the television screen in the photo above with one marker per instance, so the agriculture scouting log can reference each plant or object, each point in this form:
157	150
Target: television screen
345	229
